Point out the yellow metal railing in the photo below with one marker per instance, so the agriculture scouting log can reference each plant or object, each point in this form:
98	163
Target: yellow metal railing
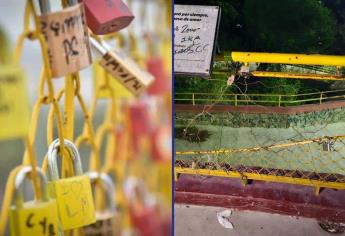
245	177
294	75
282	58
260	99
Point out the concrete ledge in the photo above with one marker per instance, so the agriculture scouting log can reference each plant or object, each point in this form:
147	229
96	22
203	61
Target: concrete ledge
287	199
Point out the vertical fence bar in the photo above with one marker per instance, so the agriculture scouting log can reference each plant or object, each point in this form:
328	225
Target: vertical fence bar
193	99
279	100
321	97
235	99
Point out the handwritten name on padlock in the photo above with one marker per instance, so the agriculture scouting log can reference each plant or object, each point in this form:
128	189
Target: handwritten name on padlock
66	35
14	103
127	72
35	219
75	202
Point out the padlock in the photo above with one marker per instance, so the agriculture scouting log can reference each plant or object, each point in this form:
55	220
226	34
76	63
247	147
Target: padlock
73	194
161	143
142	210
14	105
38	217
162	84
107	16
107	220
140	125
123	68
67	38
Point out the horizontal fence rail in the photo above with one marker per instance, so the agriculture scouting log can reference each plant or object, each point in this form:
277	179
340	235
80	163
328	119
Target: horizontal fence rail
259	99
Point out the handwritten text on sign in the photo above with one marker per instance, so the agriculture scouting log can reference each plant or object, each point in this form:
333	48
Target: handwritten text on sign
14	103
39	219
67	39
195	31
127	72
75	202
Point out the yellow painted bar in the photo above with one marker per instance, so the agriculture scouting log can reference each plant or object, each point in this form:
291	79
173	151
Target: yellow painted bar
292	75
262	177
284	58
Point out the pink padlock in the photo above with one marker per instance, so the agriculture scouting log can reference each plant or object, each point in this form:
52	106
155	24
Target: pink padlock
139	122
161	144
155	66
107	16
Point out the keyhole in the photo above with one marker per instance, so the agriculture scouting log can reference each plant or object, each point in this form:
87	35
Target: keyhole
113	27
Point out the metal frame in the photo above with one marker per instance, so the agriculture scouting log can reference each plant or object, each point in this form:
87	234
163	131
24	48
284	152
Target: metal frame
316	97
245	177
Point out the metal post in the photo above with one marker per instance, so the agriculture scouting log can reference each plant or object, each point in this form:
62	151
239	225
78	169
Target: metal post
285	58
279	101
321	98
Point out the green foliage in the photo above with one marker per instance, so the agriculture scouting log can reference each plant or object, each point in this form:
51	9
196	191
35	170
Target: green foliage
192	134
288	26
338	11
293	26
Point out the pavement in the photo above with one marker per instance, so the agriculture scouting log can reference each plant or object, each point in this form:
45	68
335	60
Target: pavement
203	221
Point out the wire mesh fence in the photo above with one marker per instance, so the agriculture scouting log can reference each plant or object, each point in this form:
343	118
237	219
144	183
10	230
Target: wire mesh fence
309	153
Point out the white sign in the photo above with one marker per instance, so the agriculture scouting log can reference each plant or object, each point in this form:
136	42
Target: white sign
194	41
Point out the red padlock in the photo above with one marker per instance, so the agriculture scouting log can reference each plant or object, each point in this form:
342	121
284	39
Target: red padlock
161	144
162	84
107	16
143	210
146	221
139	122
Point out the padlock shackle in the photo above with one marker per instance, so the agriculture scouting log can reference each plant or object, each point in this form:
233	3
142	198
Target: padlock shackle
5	55
108	186
53	153
101	48
72	2
45	6
19	185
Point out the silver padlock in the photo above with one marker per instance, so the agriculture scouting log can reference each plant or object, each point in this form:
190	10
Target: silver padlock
73	194
38	217
107	220
54	153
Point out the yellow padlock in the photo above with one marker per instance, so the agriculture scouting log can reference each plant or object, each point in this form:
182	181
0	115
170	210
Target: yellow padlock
14	98
73	194
38	217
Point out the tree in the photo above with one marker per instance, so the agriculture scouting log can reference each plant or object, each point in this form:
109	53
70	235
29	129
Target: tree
338	11
293	26
288	26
